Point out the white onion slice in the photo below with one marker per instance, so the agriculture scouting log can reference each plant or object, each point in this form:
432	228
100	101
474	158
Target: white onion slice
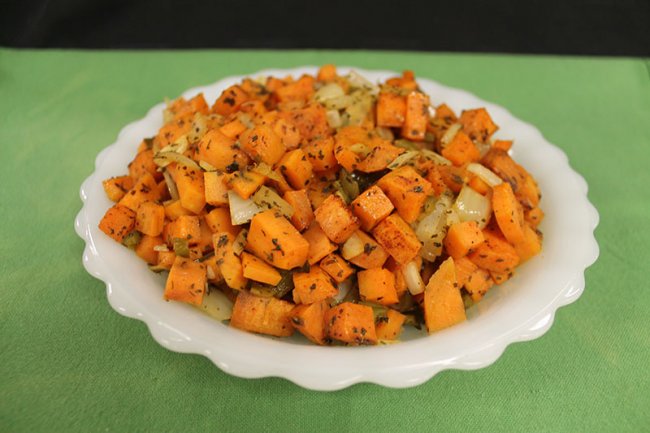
217	305
431	230
329	91
450	133
485	174
266	198
414	281
241	211
472	206
352	247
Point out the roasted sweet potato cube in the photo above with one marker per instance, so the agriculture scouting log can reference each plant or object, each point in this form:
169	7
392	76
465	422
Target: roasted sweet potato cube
463	238
264	315
380	157
174	209
350	323
220	151
296	168
461	150
336	219
230	100
116	187
150	218
326	73
311	121
233	129
273	239
464	268
186	227
391	109
417	116
336	267
320	153
522	183
216	191
191	189
390	327
145	248
373	255
495	254
371	206
478	124
229	264
218	220
478	283
312	286
145	189
407	190
186	281
118	222
144	163
303	214
245	182
377	285
301	90
530	245
262	144
319	244
397	238
443	303
257	270
309	320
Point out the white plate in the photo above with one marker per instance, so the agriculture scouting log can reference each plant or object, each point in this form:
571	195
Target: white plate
521	309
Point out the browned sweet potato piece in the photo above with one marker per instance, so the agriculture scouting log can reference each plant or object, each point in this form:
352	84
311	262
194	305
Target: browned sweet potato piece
263	315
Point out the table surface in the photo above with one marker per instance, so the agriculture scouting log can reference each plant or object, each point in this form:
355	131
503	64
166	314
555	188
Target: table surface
68	362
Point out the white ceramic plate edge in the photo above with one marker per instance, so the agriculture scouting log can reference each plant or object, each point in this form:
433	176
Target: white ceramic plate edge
348	366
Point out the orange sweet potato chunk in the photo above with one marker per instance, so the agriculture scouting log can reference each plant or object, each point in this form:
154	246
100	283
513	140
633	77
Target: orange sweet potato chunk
461	150
407	190
262	144
397	238
417	116
336	219
443	304
186	281
273	239
371	206
150	218
373	255
303	214
463	238
296	168
309	320
350	323
391	109
319	244
257	270
230	100
312	286
118	222
263	315
478	124
390	327
377	285
229	264
220	151
116	187
495	254
336	267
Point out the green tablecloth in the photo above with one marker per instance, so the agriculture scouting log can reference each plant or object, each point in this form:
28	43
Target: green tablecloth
68	362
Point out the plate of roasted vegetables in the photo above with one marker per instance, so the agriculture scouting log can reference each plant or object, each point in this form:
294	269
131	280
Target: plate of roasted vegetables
334	225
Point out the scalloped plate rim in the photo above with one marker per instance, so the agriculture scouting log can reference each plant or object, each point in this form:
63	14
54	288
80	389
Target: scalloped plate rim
408	374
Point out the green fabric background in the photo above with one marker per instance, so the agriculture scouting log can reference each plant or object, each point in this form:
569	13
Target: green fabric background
68	362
